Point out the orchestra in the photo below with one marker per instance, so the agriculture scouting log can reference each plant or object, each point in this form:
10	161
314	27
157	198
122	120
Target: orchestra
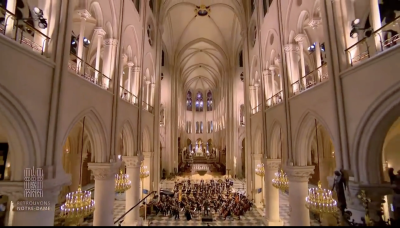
203	199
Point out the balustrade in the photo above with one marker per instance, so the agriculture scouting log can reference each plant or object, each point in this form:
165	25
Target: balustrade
23	32
128	96
275	99
311	79
388	36
256	109
88	72
147	107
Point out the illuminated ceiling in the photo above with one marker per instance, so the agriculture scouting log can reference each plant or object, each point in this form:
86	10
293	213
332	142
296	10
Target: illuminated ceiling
203	40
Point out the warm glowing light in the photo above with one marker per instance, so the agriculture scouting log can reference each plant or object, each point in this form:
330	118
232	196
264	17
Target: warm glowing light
281	181
78	205
320	201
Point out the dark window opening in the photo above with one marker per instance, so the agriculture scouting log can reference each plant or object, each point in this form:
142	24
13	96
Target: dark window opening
241	59
253	6
151	5
137	5
162	58
162	76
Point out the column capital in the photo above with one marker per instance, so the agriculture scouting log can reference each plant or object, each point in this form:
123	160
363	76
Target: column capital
153	85
130	64
252	87
291	48
104	171
148	82
272	68
299	173
265	73
256	85
277	61
272	164
132	161
111	42
136	69
100	31
315	23
148	154
300	38
83	13
257	156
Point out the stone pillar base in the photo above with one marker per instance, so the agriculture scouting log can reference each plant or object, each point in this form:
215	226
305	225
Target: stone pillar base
274	223
134	223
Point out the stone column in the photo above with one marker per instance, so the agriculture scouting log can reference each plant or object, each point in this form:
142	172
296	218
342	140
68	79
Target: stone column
147	94
152	91
252	98
148	161
298	191
266	85
272	217
257	181
129	86
100	34
43	216
84	14
300	38
135	86
11	6
272	68
374	192
104	192
257	102
376	22
110	48
133	194
290	50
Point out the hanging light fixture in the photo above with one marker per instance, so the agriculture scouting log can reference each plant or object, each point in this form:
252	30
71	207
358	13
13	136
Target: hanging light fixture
319	200
122	182
280	180
78	204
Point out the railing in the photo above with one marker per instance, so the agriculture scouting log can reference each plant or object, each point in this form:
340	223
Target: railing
123	216
147	107
128	96
313	78
382	39
88	72
256	109
22	32
274	100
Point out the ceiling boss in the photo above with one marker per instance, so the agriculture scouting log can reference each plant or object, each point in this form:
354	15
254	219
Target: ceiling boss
202	10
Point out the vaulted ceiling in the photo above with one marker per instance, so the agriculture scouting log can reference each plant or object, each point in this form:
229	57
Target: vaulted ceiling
202	46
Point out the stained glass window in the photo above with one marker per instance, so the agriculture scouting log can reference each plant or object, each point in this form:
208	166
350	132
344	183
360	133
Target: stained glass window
199	102
189	101
209	101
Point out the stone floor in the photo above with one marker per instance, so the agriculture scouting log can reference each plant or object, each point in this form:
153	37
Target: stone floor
251	218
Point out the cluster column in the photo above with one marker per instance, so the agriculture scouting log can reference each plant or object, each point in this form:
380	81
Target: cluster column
132	164
84	14
266	87
110	51
104	192
135	86
272	68
272	217
298	191
300	38
257	180
290	51
100	34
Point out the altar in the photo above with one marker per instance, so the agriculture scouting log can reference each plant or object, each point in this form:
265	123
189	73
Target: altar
199	151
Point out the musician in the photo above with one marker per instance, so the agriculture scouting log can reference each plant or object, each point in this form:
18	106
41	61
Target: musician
206	207
176	212
187	214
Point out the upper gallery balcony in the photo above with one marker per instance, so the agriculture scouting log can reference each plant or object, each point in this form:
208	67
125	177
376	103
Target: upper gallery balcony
23	31
375	42
310	80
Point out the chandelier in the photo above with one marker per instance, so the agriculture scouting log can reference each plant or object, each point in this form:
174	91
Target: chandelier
319	200
280	180
260	171
122	182
78	204
144	173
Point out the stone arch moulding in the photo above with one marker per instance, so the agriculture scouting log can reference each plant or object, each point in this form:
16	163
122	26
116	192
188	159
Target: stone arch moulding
366	157
267	45
129	139
274	152
133	43
21	135
98	14
146	140
96	132
304	131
